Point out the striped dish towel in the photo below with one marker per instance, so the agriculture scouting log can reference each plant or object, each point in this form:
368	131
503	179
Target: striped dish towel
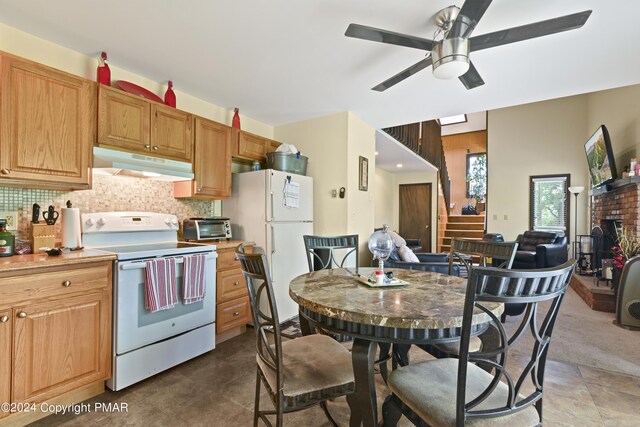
160	284
193	278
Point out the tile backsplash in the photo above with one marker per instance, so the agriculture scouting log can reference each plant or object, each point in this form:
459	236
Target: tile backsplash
109	193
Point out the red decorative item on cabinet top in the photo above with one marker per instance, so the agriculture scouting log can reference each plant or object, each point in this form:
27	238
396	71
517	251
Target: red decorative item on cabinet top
104	73
235	123
170	96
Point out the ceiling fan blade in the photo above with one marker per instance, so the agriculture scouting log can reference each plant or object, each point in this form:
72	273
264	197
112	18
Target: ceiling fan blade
530	31
403	75
383	36
471	78
468	18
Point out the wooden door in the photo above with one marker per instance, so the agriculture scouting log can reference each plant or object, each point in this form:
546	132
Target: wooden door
252	146
60	345
6	321
171	133
415	213
48	124
212	167
123	121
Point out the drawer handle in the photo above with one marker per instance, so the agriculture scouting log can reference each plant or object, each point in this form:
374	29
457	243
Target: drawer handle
155	147
22	314
236	283
147	146
4	319
236	313
66	283
5	171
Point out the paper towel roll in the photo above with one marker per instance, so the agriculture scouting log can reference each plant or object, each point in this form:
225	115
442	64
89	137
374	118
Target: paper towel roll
71	232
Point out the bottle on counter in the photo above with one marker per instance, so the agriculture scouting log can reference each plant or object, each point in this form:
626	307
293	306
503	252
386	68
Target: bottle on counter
7	240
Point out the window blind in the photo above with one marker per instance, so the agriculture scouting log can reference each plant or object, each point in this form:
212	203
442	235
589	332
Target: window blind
549	203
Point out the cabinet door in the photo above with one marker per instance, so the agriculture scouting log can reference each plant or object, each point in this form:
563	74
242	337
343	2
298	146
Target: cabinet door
6	320
273	146
252	146
212	166
123	120
48	125
171	133
60	345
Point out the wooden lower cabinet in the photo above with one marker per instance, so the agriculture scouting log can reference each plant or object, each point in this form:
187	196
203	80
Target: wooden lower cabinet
55	334
6	323
233	310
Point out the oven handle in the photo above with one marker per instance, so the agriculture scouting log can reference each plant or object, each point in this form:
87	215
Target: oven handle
142	264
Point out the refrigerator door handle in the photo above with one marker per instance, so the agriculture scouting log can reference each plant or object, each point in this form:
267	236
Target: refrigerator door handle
273	240
272	212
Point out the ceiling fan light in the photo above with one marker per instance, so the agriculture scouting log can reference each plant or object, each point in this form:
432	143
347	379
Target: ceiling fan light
451	69
450	58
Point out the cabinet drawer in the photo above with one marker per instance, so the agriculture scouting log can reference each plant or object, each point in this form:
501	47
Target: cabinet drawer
55	283
231	284
227	258
233	314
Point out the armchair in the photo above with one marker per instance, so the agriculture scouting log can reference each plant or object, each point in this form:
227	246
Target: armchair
540	249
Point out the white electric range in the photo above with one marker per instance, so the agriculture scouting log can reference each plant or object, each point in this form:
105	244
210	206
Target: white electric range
146	343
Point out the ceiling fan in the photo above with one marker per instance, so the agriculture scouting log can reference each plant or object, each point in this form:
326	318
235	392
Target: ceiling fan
449	56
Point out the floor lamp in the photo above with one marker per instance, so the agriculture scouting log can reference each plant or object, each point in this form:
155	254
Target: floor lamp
575	191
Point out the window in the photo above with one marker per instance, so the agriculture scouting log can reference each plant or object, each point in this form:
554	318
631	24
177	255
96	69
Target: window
476	176
549	203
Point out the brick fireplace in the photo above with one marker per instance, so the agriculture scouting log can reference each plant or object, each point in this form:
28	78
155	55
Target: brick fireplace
617	204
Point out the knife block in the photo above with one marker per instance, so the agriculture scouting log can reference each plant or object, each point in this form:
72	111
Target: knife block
42	235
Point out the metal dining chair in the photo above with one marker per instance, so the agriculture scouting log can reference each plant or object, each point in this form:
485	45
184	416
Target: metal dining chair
479	387
330	252
296	373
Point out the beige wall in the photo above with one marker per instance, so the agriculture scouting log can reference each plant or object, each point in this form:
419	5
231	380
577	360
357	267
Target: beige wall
36	49
535	139
334	144
324	142
387	198
456	147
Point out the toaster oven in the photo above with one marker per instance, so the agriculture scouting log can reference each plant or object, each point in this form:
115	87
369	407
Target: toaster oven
206	228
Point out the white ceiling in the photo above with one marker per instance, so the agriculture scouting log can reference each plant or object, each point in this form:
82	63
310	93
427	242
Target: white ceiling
282	61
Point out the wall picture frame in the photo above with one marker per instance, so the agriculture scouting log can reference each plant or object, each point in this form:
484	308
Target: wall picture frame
363	184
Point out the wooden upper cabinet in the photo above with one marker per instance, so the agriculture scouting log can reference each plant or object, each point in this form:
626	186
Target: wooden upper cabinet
6	322
131	123
252	146
123	120
212	163
273	146
48	121
171	133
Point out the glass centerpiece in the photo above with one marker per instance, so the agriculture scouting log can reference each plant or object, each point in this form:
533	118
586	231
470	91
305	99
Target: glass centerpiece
381	245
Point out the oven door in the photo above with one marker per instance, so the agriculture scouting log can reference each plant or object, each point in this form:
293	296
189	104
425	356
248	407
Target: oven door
135	326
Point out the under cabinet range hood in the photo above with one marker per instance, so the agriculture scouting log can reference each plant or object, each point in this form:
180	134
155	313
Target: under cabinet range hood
114	162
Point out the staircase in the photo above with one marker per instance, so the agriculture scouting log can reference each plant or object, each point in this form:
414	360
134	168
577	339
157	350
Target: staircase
464	226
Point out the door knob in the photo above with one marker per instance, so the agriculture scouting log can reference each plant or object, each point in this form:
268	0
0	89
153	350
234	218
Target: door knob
66	283
4	171
4	319
155	147
22	314
236	283
147	146
426	226
237	313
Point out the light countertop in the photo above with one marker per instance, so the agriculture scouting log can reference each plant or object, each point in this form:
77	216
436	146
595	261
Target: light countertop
41	260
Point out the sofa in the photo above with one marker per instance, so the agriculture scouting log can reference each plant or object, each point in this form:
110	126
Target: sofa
403	257
540	249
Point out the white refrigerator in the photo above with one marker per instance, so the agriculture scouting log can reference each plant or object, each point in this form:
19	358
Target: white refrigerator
274	209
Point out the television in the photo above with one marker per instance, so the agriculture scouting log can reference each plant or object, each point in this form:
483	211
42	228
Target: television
602	166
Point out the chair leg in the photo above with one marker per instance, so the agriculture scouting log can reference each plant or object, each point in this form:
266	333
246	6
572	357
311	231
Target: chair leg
384	354
325	408
256	404
390	412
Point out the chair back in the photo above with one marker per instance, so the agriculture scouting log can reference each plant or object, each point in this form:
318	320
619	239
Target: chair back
510	286
502	251
330	252
265	316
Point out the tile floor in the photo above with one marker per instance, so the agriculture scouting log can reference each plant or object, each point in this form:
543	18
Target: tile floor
216	389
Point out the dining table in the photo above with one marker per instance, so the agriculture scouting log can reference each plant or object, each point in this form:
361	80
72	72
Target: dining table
422	308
